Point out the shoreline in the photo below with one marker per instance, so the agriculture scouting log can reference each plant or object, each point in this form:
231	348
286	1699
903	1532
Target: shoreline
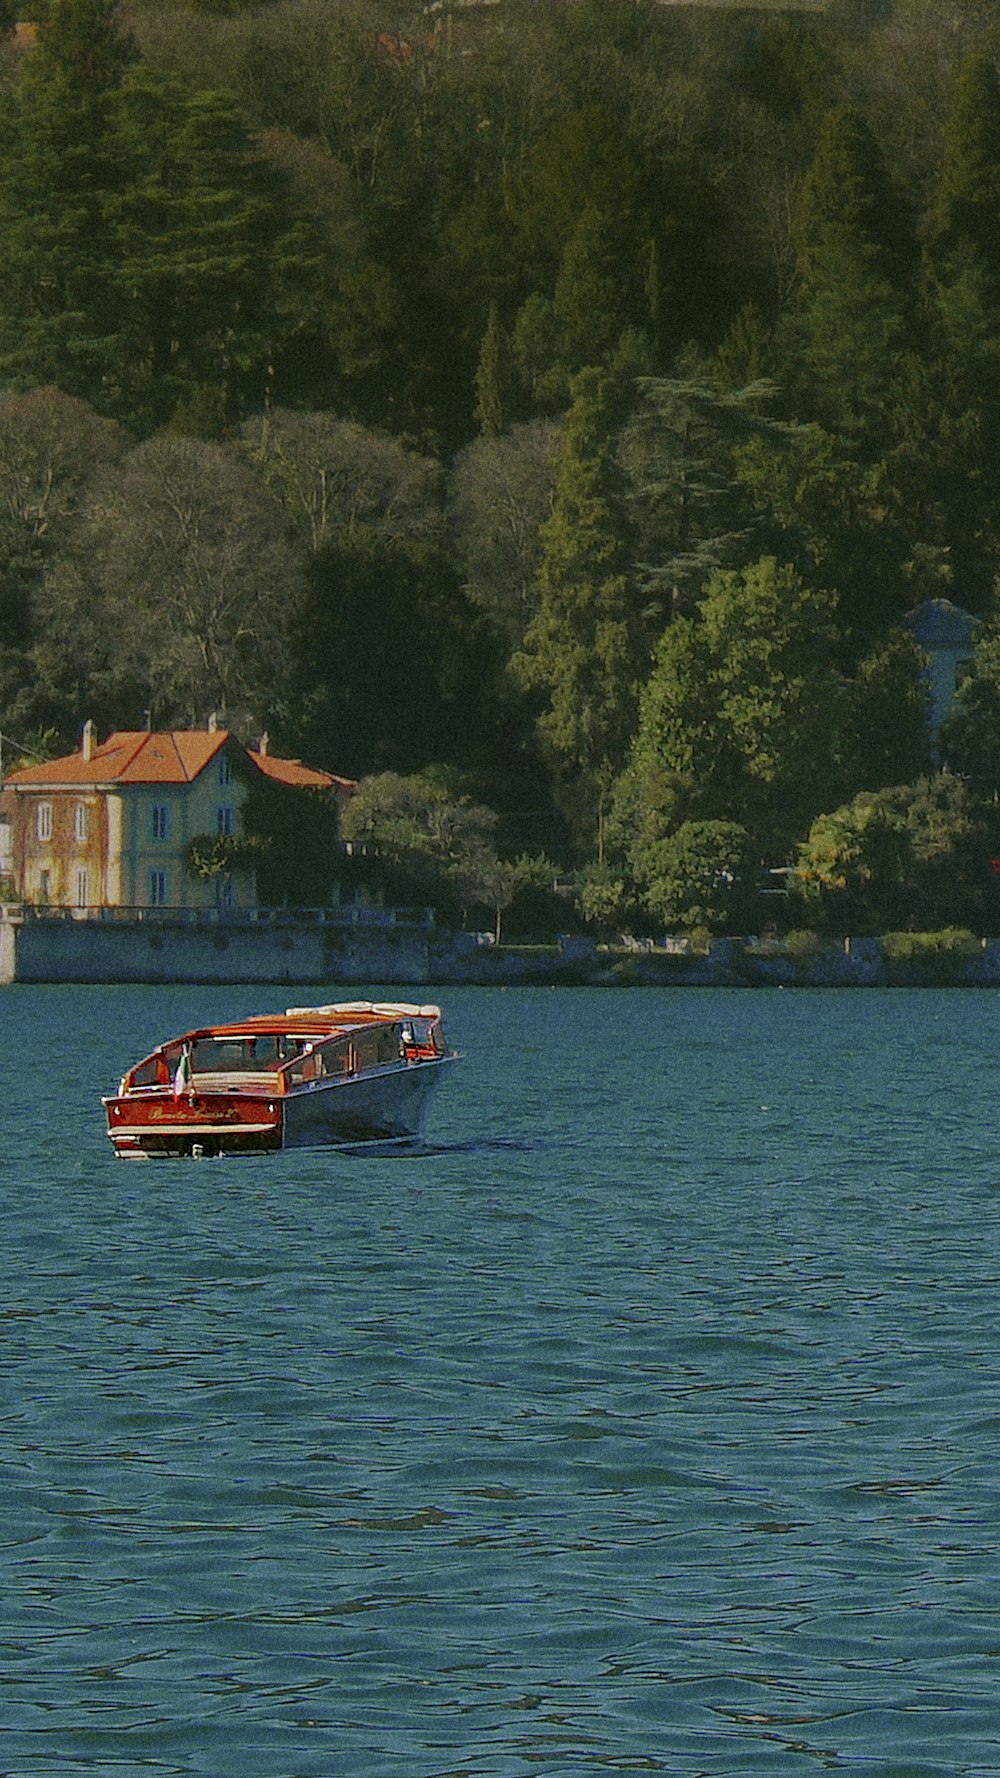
295	951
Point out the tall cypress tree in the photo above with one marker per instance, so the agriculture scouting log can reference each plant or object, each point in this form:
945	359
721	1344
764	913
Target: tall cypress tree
492	378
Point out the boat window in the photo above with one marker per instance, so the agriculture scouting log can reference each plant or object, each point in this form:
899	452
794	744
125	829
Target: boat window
347	1054
335	1057
235	1055
377	1046
426	1040
149	1073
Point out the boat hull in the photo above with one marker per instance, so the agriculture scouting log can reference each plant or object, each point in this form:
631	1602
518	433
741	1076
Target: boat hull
388	1106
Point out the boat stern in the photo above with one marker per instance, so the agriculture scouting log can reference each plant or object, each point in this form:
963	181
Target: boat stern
149	1125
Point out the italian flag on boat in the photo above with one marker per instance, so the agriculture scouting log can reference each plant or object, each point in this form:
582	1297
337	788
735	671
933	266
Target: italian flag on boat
182	1078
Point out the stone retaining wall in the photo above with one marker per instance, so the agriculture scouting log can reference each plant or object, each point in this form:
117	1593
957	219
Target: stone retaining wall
311	954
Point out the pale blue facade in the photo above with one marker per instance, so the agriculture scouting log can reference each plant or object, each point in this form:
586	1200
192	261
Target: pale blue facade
947	635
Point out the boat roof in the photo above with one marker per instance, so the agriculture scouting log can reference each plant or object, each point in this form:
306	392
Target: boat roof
318	1021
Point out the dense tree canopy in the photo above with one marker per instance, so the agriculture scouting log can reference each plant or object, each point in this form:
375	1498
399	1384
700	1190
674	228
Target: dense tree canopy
575	399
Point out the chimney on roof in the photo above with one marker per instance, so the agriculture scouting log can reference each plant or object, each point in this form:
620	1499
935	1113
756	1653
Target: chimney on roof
213	723
89	737
264	744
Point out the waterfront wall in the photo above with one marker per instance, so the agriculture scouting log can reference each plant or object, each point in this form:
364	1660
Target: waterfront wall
323	953
115	951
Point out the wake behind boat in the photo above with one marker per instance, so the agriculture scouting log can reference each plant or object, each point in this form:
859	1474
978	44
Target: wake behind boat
313	1077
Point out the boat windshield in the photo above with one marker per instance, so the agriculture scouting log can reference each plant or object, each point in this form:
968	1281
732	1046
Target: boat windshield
243	1055
227	1056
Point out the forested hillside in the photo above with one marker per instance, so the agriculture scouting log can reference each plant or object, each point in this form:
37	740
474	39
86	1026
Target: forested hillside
550	407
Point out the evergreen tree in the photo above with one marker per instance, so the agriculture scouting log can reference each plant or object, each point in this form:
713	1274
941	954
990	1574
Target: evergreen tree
58	168
967	204
538	364
146	251
742	717
847	192
691	512
951	444
389	668
83	47
582	650
491	379
684	764
848	336
597	295
746	354
839	519
211	271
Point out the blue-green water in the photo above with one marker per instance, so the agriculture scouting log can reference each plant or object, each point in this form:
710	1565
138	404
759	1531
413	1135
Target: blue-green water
648	1423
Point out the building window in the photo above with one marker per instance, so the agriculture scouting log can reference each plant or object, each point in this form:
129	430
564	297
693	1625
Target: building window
161	821
225	771
157	888
44	885
81	823
225	899
44	821
82	889
224	818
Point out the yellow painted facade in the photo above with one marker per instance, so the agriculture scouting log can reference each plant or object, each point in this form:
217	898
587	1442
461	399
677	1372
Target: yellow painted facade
112	826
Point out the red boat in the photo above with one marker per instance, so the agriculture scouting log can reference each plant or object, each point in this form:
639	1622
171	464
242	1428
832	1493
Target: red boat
343	1076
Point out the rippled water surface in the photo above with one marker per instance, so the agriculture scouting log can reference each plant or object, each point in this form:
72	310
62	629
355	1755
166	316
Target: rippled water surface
649	1422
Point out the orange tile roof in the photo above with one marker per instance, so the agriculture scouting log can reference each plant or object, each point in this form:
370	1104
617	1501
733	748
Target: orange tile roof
130	756
177	756
298	776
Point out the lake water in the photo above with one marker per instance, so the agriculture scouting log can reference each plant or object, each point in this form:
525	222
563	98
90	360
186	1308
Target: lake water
648	1423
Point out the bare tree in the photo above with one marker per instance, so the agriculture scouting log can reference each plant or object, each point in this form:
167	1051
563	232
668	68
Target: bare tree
500	496
189	565
51	445
335	478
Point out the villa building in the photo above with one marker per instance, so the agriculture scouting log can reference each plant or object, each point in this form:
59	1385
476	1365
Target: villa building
111	826
947	635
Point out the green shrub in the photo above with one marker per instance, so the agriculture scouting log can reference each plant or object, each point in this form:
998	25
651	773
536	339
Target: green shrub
937	954
801	947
